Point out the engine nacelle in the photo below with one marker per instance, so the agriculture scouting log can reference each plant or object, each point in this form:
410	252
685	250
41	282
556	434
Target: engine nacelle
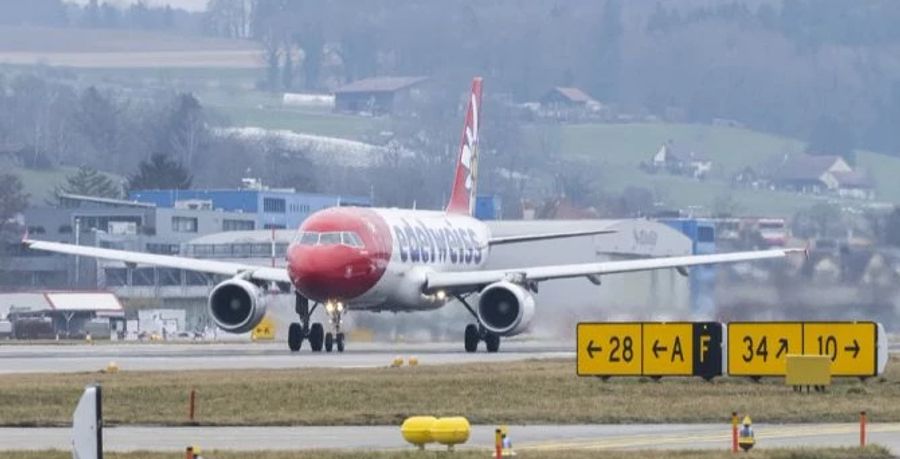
237	306
505	308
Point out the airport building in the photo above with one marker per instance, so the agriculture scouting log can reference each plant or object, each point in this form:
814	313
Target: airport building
66	314
267	208
161	223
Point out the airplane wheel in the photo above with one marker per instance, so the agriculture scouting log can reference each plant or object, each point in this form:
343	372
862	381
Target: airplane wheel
492	342
295	336
329	342
340	342
471	339
316	332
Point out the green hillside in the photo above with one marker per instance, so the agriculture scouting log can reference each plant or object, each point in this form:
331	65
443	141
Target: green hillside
618	150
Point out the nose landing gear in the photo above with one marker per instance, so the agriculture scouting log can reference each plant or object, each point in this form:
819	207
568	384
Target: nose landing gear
335	313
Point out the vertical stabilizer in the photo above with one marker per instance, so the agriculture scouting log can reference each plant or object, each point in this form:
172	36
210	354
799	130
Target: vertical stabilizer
462	197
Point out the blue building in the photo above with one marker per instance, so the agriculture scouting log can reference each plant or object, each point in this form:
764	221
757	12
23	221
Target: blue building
702	233
272	208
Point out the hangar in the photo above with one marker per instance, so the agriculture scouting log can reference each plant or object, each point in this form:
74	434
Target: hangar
70	314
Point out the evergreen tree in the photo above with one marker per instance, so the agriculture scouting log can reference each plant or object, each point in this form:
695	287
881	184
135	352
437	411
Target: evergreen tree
90	182
13	198
160	173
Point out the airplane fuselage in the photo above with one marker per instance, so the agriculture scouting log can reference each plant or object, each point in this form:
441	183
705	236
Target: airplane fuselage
377	259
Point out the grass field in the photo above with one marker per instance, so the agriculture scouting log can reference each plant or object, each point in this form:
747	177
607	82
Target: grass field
616	151
516	393
872	452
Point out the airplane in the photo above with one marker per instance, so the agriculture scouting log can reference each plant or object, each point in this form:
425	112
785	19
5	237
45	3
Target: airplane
388	259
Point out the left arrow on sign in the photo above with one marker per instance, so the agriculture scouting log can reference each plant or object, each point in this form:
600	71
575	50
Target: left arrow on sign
657	349
591	349
854	348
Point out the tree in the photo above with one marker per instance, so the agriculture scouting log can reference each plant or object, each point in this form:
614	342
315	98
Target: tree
819	221
160	173
892	228
90	182
185	129
13	198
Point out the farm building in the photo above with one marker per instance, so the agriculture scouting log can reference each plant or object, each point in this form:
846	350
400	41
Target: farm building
378	96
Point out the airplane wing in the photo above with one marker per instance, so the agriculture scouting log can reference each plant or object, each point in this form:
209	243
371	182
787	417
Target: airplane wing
471	280
262	273
544	236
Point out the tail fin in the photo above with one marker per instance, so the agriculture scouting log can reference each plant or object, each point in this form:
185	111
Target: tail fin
462	198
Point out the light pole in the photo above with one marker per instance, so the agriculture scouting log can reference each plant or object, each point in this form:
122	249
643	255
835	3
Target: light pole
77	258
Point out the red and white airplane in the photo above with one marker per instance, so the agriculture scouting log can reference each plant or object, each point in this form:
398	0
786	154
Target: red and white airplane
348	258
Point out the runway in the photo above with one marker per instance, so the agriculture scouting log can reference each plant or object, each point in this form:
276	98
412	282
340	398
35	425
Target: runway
49	358
533	437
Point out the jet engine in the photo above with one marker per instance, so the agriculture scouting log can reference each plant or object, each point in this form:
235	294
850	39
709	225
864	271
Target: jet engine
237	306
505	308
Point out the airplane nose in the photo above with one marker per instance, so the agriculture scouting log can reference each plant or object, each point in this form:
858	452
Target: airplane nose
329	273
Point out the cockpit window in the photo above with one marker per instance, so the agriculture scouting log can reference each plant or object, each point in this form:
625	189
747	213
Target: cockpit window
347	238
352	240
330	238
309	238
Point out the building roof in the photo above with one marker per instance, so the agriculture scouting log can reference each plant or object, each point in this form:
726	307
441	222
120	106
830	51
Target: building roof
380	84
803	167
854	179
574	95
102	303
105	201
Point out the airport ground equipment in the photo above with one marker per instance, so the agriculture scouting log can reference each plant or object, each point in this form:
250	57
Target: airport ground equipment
451	431
746	439
417	430
87	425
654	349
757	349
808	370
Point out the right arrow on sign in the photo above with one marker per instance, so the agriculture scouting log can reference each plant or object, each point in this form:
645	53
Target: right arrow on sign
657	349
854	348
591	349
782	347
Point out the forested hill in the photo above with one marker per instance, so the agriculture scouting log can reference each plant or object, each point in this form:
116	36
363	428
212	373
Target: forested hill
824	70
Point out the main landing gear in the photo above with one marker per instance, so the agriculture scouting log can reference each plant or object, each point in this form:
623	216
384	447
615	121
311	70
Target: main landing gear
297	332
476	332
315	332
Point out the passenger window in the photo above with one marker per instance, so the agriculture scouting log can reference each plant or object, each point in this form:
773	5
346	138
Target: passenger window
330	238
309	238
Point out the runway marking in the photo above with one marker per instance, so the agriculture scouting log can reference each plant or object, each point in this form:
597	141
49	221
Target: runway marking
670	439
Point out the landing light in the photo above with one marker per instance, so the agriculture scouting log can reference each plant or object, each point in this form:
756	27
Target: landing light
441	295
340	307
329	306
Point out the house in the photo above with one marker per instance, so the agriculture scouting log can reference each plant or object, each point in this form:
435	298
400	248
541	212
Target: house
378	96
560	97
667	158
818	174
571	104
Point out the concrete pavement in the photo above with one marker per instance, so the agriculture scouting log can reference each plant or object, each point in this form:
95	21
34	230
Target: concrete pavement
533	437
50	358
